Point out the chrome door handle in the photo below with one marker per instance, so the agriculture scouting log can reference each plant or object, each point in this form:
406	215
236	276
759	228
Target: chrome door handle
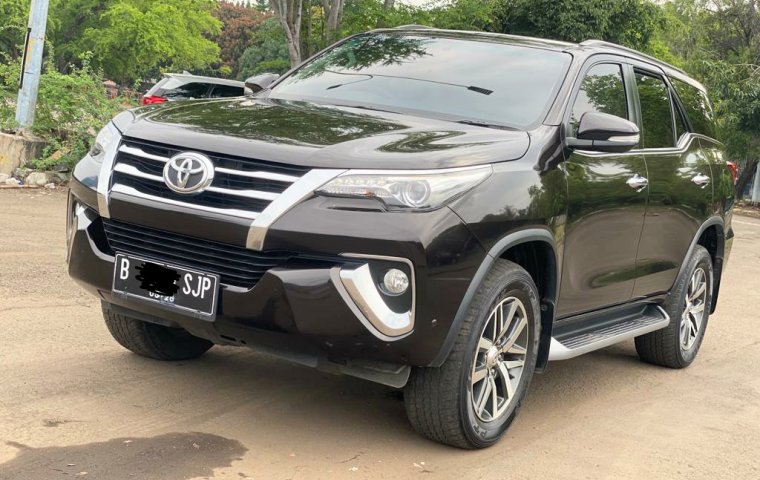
637	182
701	180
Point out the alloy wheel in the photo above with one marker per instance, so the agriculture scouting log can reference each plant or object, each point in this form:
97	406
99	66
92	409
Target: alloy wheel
499	359
692	319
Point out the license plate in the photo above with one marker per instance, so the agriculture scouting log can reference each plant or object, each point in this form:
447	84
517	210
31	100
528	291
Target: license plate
168	285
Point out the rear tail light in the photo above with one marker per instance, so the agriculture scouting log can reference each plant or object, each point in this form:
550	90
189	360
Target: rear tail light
734	171
150	100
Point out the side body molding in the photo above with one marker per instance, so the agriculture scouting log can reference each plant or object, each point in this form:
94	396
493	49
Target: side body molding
547	305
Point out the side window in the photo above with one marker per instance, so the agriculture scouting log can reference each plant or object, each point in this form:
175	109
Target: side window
188	90
602	90
656	112
226	91
697	107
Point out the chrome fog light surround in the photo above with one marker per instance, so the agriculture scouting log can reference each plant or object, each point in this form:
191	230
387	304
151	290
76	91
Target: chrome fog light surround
362	294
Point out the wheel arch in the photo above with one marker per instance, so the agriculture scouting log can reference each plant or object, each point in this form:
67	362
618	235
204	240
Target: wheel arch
533	249
712	236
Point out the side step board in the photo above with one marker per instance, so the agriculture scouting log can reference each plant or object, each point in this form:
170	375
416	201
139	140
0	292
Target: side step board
594	334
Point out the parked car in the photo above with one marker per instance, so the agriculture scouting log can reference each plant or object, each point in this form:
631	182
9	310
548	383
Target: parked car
184	86
443	212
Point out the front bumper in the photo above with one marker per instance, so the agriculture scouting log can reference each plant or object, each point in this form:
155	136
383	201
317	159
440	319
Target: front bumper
309	309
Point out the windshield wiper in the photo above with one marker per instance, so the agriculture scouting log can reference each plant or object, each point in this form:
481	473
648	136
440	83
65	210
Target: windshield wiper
479	123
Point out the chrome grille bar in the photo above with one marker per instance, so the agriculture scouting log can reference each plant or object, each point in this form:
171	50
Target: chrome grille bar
136	172
125	190
138	152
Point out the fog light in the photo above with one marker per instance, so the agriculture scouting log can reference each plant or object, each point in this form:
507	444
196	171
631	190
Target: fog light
395	282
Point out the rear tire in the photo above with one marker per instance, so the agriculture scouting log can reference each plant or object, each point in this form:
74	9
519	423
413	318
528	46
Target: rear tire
152	340
454	404
677	345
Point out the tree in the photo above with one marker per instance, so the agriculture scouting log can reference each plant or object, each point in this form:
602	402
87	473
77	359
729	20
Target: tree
628	22
333	11
718	41
467	14
239	26
289	12
267	53
14	14
131	39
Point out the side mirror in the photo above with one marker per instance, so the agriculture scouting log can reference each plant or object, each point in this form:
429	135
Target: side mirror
258	83
602	132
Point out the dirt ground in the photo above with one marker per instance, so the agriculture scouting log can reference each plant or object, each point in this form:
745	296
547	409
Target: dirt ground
73	404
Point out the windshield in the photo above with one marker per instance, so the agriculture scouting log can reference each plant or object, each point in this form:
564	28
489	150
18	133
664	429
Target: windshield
490	82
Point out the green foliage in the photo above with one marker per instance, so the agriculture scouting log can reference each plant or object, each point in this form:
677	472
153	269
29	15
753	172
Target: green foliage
267	53
737	90
466	14
14	15
131	39
628	22
239	25
71	109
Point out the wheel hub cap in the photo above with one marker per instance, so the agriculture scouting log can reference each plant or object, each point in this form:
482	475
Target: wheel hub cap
499	359
492	357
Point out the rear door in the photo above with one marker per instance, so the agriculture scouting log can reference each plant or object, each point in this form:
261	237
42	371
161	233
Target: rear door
680	183
604	214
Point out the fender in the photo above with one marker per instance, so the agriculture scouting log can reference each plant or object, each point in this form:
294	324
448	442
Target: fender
547	305
717	262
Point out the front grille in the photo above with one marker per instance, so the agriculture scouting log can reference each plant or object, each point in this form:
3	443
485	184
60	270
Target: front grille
242	187
235	265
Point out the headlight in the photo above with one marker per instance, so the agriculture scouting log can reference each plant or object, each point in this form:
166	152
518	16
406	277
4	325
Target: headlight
104	138
407	190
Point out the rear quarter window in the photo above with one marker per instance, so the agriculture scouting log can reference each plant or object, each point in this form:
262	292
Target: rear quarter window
178	89
221	91
697	107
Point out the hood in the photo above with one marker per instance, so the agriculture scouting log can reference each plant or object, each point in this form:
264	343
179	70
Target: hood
323	136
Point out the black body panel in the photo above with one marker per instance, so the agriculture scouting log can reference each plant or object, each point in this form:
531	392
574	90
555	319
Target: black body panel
571	217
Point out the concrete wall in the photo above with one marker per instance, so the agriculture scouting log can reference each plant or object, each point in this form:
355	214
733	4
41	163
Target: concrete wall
16	151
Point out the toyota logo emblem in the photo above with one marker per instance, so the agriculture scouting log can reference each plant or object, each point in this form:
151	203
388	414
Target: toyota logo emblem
188	172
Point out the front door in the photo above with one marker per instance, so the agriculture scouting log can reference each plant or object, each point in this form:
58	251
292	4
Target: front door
606	208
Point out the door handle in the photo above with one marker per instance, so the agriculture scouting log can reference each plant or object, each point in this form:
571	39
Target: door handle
637	182
701	180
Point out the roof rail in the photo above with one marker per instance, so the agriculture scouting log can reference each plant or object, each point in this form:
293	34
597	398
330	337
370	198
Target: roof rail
602	43
414	26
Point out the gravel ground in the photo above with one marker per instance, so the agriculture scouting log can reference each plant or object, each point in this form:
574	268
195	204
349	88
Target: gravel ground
73	404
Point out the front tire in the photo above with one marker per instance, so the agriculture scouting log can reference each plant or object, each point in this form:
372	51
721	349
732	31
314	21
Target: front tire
677	345
470	400
152	340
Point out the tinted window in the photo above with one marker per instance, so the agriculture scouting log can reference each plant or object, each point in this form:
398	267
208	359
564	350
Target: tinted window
177	89
602	90
226	91
420	73
697	107
656	114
